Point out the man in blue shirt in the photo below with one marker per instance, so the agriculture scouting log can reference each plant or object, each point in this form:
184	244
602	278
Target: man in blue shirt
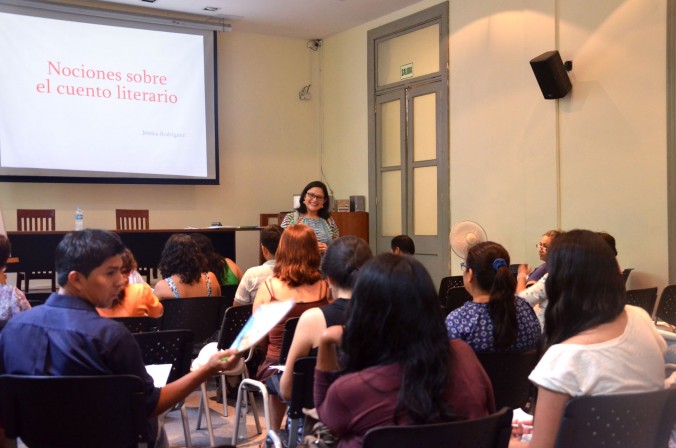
66	336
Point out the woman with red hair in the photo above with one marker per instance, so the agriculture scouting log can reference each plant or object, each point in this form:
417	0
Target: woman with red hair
296	276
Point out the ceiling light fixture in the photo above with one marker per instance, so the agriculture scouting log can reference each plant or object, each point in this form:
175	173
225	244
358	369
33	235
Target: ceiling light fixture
149	1
211	8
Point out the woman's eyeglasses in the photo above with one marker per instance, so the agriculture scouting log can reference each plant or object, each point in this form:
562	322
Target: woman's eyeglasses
464	266
312	196
541	246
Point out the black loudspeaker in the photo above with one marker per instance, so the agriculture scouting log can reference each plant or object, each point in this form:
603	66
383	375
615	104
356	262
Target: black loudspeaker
551	75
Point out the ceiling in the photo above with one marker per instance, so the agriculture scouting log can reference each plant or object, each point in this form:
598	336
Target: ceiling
308	19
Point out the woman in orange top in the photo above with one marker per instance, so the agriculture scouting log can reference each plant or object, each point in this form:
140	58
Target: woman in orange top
135	300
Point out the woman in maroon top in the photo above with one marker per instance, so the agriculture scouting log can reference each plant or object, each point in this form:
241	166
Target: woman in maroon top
397	366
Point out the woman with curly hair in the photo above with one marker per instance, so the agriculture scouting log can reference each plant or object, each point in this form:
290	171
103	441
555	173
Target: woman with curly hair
296	276
397	366
181	267
226	270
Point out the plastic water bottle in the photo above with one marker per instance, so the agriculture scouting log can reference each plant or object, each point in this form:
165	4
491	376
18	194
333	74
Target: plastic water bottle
79	219
241	429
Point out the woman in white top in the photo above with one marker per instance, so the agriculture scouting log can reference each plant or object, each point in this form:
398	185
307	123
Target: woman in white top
595	345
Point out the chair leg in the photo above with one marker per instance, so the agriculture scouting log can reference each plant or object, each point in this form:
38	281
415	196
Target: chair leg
223	382
254	410
293	433
266	411
210	427
186	426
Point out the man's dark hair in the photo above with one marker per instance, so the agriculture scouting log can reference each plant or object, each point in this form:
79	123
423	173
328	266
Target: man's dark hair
270	236
404	243
83	251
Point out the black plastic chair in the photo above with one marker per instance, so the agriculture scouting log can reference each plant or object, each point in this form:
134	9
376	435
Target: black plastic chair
508	372
142	324
666	308
644	298
452	294
234	320
643	419
202	315
493	431
105	411
287	338
625	274
169	347
37	298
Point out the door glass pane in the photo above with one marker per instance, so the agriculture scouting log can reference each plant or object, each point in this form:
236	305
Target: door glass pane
390	133
391	203
425	127
419	48
425	200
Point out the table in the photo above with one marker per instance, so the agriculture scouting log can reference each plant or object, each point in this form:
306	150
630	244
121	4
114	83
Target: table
35	250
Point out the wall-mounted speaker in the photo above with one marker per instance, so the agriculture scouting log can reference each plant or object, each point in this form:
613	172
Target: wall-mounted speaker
551	75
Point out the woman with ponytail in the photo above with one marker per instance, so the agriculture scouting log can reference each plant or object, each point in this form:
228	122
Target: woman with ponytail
495	320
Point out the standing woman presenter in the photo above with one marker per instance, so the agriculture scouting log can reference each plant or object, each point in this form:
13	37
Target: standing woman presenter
313	211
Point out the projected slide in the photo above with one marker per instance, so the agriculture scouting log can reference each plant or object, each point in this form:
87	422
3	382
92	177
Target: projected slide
102	99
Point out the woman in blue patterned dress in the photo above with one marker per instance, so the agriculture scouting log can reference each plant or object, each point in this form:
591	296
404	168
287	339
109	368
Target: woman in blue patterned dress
495	319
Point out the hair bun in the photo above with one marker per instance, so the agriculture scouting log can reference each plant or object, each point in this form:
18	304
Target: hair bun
498	263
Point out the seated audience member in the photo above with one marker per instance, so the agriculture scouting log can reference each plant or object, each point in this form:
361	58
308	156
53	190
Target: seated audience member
494	320
340	267
524	278
402	245
12	299
595	344
296	276
397	367
226	270
182	266
536	295
66	336
254	277
135	299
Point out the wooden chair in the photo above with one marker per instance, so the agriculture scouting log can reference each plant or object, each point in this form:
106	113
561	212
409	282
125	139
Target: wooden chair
169	347
644	298
493	431
126	219
132	219
640	419
35	220
666	308
106	411
508	372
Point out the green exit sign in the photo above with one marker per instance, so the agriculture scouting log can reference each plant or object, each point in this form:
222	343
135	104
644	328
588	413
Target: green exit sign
406	71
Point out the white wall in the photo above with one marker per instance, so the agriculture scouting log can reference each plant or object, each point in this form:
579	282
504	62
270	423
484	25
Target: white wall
505	139
268	151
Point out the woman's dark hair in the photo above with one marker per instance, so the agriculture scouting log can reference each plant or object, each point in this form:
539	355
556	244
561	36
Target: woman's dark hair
324	211
213	261
182	257
83	251
297	258
494	277
5	250
584	286
343	259
394	317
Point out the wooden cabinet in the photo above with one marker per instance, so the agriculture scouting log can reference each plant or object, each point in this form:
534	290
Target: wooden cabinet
352	223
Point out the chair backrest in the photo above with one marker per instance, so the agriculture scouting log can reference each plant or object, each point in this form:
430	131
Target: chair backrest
38	296
287	338
202	315
74	411
132	219
452	294
454	281
167	347
233	321
645	298
142	324
303	386
666	308
625	274
35	220
493	431
508	372
643	419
